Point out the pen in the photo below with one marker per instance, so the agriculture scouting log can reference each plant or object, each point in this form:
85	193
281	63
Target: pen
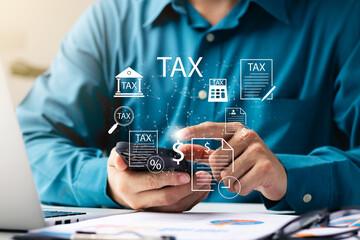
90	236
271	90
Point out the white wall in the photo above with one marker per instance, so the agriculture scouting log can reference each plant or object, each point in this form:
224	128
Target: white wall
31	30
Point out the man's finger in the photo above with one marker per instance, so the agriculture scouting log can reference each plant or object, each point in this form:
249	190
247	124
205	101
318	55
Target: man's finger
240	141
166	196
195	152
201	178
205	130
204	195
222	158
116	161
144	181
185	204
240	166
250	181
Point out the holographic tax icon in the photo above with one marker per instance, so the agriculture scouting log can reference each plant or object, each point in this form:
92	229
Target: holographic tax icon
128	84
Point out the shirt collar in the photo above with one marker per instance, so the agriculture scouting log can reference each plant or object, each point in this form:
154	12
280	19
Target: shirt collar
155	8
276	8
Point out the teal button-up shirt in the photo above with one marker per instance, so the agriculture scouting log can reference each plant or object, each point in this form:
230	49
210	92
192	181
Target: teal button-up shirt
312	123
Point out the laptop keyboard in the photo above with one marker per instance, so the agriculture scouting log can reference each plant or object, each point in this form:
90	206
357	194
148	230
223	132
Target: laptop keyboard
52	214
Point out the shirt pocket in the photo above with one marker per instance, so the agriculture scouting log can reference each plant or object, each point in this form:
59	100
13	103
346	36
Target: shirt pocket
286	125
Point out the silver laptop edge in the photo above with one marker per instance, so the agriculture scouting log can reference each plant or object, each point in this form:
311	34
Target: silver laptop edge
20	207
19	204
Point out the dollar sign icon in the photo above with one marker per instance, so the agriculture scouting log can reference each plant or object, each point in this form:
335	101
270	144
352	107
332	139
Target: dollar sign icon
207	147
244	133
177	144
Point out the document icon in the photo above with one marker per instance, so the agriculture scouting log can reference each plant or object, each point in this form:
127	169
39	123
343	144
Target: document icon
235	114
222	160
144	145
256	79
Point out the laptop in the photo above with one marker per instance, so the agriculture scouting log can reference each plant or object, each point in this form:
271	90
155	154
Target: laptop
20	207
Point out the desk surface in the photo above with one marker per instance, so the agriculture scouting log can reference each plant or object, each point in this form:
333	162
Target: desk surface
202	207
235	208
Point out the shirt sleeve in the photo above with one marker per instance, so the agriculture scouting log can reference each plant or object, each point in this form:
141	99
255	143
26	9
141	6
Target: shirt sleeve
63	119
329	176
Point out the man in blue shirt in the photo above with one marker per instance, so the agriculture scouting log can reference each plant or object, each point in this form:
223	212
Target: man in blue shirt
303	149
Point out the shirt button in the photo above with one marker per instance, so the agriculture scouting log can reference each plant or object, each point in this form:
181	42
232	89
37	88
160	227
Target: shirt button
307	198
202	94
210	37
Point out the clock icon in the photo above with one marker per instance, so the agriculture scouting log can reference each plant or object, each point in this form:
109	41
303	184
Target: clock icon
224	186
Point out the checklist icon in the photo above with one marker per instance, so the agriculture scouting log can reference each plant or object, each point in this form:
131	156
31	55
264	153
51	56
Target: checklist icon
256	79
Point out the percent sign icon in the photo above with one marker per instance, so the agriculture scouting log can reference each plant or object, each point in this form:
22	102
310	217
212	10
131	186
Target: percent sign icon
155	164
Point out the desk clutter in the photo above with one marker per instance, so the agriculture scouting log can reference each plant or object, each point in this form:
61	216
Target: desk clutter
149	225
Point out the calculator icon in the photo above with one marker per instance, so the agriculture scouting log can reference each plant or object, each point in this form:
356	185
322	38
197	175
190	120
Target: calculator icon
217	90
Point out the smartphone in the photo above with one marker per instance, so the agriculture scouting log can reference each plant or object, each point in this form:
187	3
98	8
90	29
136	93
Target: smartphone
163	160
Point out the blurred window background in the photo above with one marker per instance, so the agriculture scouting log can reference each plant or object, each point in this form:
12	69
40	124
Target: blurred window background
30	35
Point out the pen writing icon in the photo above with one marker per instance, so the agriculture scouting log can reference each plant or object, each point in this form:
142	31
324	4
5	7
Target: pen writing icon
271	90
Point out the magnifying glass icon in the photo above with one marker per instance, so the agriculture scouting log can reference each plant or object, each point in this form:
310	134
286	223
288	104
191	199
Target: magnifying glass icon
123	116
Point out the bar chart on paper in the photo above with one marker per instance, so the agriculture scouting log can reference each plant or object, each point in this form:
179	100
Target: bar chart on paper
235	222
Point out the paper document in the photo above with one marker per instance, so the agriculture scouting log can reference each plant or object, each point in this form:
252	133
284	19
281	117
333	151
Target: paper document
338	225
181	225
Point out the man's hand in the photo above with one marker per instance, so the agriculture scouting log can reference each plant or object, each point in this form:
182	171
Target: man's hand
256	167
164	192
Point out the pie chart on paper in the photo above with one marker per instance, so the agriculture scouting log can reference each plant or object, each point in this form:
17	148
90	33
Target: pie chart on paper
235	222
